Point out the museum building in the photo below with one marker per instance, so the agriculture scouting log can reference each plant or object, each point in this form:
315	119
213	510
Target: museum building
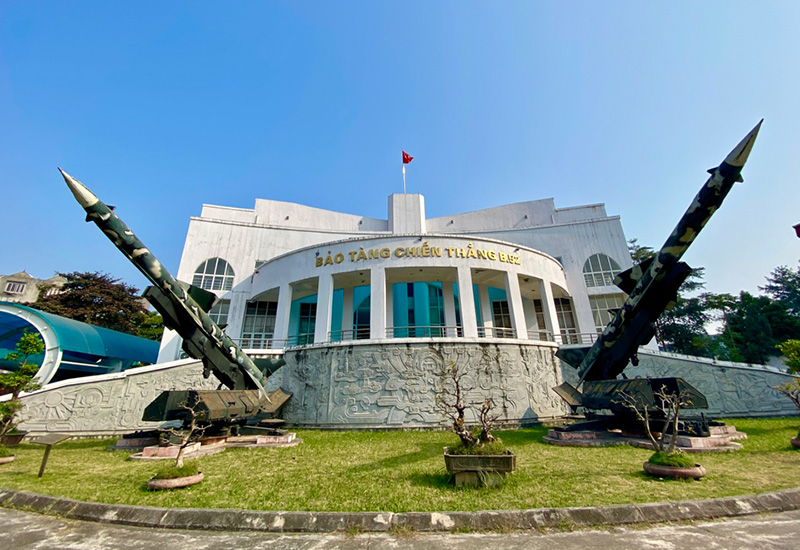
365	310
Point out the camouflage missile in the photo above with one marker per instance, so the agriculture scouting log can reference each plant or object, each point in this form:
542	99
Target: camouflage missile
652	285
182	306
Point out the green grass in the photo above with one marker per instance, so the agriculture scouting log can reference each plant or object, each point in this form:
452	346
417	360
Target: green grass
679	459
404	471
170	471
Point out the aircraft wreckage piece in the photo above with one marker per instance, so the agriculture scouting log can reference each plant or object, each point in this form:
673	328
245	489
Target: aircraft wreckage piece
652	286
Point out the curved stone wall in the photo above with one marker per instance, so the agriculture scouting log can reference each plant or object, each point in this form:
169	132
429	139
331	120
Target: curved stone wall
109	403
732	389
393	385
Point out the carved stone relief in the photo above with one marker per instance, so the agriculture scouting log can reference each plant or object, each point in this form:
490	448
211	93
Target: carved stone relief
395	385
108	403
731	389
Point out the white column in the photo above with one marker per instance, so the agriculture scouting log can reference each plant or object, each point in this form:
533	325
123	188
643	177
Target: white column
486	309
322	323
377	303
347	315
467	302
449	308
549	309
282	314
515	306
236	311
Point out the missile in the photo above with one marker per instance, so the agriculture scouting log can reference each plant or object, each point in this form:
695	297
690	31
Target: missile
653	285
182	306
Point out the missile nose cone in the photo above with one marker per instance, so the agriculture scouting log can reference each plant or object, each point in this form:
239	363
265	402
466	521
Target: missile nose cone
739	155
82	194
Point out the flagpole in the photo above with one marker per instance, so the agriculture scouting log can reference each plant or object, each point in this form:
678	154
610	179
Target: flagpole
404	179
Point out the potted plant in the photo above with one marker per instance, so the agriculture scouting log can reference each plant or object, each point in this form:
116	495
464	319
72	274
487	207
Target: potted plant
480	458
14	382
792	391
181	474
667	461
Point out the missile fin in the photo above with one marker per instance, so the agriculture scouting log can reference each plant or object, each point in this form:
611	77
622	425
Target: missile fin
572	356
570	394
627	279
204	298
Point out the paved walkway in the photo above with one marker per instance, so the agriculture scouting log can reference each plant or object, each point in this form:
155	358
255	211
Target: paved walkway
28	531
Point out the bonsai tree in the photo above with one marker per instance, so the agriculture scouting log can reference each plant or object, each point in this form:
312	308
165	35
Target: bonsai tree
20	380
190	432
792	391
667	409
451	403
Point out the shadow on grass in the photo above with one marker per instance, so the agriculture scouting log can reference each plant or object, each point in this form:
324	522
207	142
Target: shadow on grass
524	436
442	480
424	452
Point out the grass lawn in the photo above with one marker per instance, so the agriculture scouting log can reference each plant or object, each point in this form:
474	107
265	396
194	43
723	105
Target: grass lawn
404	471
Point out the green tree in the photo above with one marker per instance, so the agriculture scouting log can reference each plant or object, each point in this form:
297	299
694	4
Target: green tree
783	285
791	350
97	299
639	253
19	380
756	326
152	326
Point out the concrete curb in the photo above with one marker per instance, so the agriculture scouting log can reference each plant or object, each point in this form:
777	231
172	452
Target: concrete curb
327	522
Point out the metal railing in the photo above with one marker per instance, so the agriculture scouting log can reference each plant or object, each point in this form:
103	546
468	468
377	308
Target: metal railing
565	337
570	337
541	335
432	331
361	333
496	332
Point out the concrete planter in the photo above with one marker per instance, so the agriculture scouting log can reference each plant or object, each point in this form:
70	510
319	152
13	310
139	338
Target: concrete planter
7	459
658	470
477	470
175	483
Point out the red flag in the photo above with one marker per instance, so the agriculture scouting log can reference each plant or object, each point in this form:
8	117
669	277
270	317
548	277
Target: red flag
407	158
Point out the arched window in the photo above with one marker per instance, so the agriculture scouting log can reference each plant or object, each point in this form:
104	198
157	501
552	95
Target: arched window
600	270
214	274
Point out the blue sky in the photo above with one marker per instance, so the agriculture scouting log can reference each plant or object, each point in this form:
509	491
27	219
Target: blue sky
160	107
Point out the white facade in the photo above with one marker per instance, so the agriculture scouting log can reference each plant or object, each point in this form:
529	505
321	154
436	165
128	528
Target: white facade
525	269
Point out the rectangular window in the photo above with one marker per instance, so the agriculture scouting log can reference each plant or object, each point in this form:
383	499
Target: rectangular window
604	307
566	320
259	324
435	311
361	321
502	319
539	310
219	313
14	287
305	326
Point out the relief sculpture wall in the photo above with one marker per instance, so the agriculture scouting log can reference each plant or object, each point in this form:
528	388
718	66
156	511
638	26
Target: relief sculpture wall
107	404
394	385
732	389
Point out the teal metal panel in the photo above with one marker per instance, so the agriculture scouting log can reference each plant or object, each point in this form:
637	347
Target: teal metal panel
78	337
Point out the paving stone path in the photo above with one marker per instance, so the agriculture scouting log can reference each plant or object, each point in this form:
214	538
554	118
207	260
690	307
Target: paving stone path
30	531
